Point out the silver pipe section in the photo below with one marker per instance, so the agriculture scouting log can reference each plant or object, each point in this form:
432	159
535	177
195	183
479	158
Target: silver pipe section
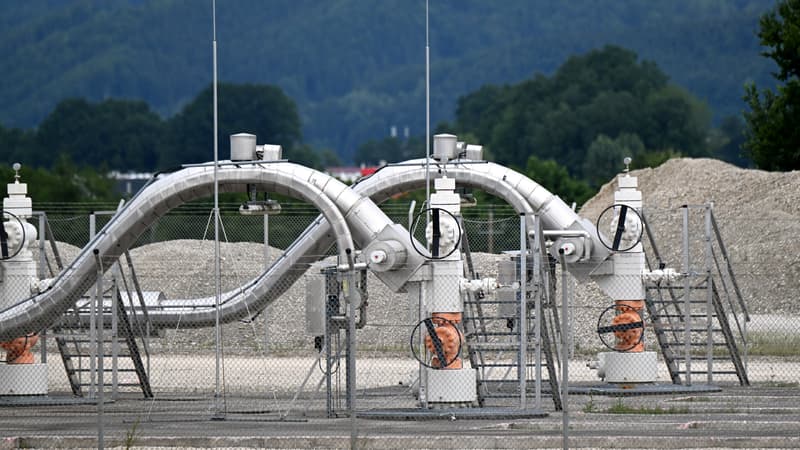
493	178
173	190
502	182
364	218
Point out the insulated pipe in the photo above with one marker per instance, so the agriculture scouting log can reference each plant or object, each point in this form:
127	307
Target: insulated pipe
410	175
303	252
498	180
154	201
317	237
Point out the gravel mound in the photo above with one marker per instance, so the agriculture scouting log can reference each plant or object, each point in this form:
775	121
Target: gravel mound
758	214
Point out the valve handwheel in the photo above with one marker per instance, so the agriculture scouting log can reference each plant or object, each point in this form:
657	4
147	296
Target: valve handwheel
627	327
443	340
445	232
625	224
12	235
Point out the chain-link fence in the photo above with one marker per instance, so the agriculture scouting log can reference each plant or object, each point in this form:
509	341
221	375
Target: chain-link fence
305	339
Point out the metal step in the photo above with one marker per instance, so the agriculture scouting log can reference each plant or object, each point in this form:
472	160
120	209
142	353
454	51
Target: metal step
681	316
485	301
492	346
692	344
713	372
680	302
111	384
661	327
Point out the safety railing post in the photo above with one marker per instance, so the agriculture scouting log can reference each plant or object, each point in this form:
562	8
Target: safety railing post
98	319
709	298
687	290
537	272
523	312
564	351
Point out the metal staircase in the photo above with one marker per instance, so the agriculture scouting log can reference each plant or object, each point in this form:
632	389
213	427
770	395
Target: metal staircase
122	325
493	334
699	321
123	365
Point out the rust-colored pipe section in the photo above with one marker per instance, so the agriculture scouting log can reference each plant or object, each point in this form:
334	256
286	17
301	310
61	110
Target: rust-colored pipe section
18	351
629	339
450	338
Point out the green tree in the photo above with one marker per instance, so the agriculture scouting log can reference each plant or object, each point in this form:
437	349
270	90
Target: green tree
604	92
329	158
605	156
18	145
64	182
120	134
557	180
773	133
731	134
258	109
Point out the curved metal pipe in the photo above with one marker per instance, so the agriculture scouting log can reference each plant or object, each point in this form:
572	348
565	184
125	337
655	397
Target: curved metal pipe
159	197
317	238
362	215
491	177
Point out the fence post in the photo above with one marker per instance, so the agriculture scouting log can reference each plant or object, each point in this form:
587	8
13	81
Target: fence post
564	352
709	298
687	290
523	312
537	271
98	319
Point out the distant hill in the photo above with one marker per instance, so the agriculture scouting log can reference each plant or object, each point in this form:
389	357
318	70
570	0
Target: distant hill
356	67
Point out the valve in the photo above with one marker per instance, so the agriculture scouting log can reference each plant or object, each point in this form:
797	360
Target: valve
443	232
624	223
13	236
18	351
443	340
627	327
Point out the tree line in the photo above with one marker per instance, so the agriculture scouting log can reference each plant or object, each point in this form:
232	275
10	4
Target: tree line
126	135
364	70
569	131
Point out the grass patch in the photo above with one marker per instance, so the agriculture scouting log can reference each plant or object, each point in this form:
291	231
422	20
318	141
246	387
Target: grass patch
590	407
621	408
773	344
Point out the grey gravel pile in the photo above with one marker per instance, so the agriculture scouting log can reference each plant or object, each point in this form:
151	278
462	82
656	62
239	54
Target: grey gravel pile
757	212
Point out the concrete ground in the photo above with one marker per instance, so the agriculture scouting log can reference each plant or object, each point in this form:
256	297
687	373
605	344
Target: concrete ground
264	407
735	417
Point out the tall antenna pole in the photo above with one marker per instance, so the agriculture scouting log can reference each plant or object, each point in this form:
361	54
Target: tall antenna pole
218	289
422	300
427	110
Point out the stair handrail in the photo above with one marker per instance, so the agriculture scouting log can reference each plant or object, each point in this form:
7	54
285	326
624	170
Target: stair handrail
728	264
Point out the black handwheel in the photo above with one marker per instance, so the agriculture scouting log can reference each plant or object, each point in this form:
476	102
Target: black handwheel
437	343
437	233
603	330
628	229
4	253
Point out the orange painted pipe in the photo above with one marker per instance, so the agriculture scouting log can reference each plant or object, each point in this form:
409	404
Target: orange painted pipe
629	340
18	351
450	337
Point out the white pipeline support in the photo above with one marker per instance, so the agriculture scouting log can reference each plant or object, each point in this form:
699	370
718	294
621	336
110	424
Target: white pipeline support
662	275
487	285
